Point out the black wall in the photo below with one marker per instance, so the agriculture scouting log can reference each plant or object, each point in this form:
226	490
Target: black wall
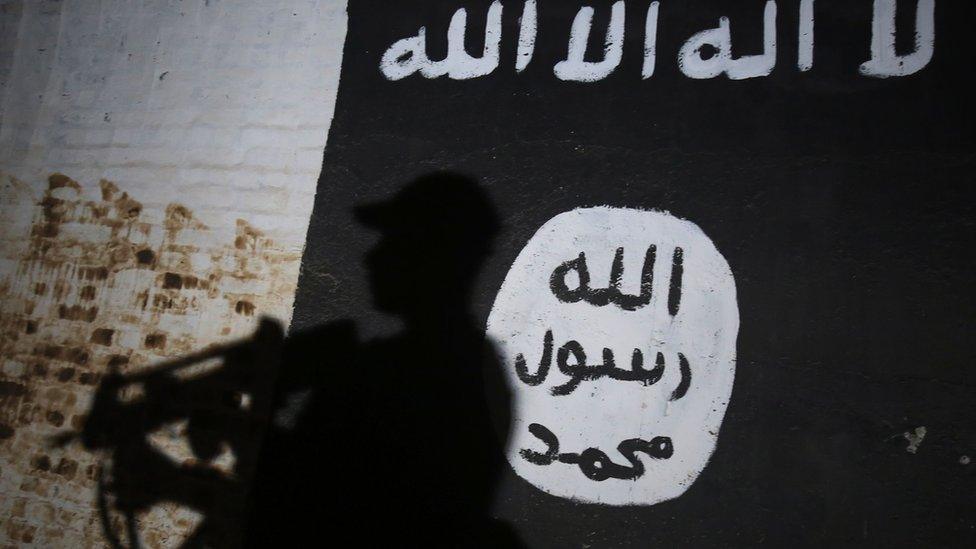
844	205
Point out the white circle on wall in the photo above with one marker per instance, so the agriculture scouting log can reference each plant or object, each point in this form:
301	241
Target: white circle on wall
616	329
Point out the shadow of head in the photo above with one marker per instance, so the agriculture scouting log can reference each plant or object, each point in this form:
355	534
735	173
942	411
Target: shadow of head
435	234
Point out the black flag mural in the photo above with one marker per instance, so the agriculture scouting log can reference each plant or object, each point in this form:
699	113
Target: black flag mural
707	267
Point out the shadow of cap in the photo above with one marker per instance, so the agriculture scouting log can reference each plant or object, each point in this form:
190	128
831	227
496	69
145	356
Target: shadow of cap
443	206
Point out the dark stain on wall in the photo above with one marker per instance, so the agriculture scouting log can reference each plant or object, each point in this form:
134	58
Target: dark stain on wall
245	308
155	341
92	279
102	336
145	256
55	418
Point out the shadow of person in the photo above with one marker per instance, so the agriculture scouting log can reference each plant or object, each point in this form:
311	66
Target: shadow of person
394	440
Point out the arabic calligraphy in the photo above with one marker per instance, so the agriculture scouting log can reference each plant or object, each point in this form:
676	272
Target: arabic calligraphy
695	63
409	55
574	68
674	291
579	371
595	463
589	323
612	294
706	54
885	61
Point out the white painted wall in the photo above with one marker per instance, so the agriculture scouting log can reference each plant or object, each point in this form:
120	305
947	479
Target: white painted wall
197	100
221	106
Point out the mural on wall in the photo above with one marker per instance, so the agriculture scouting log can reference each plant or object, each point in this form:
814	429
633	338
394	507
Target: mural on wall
824	147
616	328
706	54
819	151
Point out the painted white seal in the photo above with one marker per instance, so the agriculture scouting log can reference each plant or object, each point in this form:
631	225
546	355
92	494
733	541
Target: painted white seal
651	303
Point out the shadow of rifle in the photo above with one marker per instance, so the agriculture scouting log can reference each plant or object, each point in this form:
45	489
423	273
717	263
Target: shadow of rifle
225	407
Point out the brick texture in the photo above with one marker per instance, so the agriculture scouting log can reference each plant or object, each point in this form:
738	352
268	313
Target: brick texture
158	161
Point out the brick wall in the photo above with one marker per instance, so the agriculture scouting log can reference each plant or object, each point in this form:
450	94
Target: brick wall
158	161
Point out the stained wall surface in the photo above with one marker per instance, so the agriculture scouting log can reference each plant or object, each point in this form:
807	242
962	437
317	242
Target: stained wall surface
157	166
